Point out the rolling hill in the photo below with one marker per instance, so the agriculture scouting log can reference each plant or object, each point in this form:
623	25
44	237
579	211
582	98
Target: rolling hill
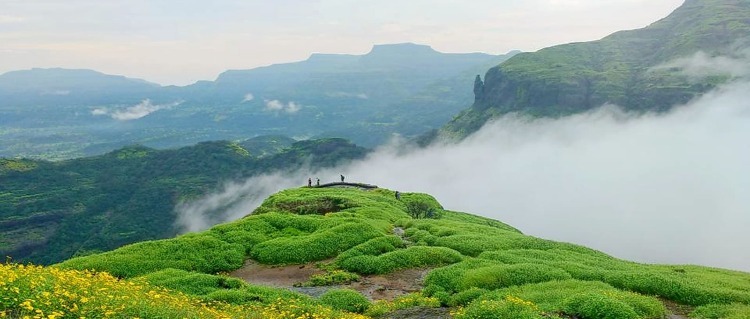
356	242
50	211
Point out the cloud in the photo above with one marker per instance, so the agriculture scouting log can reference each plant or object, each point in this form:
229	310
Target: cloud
276	106
669	188
248	97
292	107
134	112
233	201
701	65
99	111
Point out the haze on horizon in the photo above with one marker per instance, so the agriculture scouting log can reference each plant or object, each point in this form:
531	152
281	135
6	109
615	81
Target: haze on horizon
171	42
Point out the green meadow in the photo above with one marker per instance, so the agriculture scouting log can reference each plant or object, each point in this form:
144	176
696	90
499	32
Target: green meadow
478	267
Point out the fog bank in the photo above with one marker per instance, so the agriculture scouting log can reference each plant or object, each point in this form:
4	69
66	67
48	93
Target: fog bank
670	188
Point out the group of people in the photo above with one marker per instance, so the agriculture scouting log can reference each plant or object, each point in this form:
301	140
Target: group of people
317	181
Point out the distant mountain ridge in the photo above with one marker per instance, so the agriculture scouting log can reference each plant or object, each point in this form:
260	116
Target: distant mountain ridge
396	89
618	69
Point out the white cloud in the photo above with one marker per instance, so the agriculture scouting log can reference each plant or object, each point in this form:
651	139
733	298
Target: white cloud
668	188
292	107
248	97
276	105
99	111
134	112
701	65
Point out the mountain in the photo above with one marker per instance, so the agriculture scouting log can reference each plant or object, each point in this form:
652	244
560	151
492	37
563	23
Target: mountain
353	251
403	89
50	211
61	86
633	69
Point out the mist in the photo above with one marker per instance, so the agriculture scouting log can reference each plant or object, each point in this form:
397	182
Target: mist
655	188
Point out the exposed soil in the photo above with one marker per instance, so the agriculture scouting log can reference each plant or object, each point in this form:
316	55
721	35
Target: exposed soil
281	277
676	311
390	286
374	287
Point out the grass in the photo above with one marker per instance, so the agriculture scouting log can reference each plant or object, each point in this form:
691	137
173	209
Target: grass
482	268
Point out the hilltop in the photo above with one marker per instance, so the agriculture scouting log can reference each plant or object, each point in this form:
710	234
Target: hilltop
474	268
633	69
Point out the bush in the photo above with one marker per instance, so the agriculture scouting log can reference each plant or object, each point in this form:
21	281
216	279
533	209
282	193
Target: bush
412	257
467	296
345	299
314	247
511	307
732	311
335	277
500	276
593	305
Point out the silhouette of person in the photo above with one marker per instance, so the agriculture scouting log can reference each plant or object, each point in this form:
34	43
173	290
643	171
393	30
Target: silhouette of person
398	195
317	181
342	178
309	182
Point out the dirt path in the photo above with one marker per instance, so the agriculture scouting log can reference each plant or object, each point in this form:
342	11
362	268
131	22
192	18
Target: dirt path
280	277
374	287
390	286
676	311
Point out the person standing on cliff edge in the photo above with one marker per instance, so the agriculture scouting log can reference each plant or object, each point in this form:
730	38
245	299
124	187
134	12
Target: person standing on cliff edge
309	182
342	178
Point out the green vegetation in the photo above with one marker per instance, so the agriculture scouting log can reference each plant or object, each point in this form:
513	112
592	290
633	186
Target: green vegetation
481	267
624	68
345	299
334	277
402	89
50	211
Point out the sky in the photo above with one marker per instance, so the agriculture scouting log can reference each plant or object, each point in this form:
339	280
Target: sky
174	42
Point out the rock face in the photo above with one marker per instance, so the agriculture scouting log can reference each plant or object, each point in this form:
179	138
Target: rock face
623	68
478	89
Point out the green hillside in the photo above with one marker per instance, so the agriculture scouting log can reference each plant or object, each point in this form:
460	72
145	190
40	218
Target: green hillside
51	211
478	267
617	69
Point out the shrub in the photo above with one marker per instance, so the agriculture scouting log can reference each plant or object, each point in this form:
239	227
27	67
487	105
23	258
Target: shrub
467	296
593	305
335	277
499	276
345	299
510	307
381	307
314	247
731	311
412	257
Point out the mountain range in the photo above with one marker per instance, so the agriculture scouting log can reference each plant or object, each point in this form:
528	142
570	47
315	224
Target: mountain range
403	89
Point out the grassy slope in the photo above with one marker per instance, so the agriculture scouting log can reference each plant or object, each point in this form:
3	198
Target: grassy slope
51	211
617	69
483	266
